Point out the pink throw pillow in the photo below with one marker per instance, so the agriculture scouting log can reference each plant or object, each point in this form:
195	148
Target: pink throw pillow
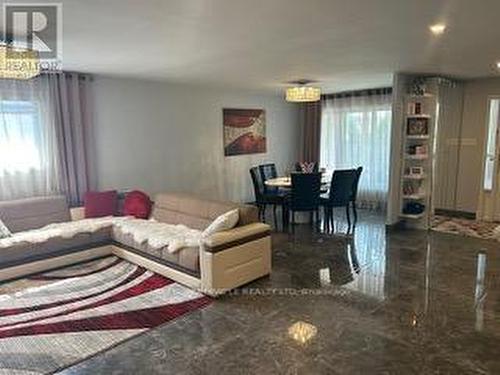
99	204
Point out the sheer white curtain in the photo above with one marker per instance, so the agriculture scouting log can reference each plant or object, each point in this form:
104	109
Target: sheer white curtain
28	159
355	131
46	137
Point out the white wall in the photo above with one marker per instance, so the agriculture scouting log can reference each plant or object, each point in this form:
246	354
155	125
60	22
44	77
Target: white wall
157	136
447	156
400	82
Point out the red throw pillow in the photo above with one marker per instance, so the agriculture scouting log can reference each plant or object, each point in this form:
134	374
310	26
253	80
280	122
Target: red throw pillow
137	204
99	204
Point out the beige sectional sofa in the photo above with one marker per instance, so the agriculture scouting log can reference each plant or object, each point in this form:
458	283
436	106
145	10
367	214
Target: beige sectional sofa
222	262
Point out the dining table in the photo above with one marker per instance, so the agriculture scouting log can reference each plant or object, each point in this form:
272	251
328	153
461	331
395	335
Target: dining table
285	182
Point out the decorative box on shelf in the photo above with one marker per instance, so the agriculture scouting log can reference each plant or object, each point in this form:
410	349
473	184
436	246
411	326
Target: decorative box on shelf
414	208
417	149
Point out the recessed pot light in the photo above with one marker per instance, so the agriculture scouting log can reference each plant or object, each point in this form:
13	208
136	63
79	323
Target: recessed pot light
498	64
438	28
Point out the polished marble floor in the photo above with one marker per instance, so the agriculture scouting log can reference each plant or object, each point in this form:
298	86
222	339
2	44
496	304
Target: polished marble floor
380	302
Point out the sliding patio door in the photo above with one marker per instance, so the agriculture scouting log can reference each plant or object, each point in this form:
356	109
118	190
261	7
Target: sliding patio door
356	132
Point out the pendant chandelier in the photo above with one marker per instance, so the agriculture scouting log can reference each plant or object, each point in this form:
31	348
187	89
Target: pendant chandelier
302	92
16	63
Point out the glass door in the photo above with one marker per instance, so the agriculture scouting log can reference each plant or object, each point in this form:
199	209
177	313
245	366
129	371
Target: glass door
490	193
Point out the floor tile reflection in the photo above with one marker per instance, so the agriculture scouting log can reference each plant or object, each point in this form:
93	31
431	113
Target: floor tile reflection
388	302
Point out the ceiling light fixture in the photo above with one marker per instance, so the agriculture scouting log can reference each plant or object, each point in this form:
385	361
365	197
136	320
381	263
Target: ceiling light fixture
438	28
16	63
498	64
301	93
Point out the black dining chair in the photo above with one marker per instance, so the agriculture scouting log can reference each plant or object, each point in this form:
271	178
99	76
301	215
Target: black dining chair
354	195
340	195
258	190
304	195
305	166
263	196
267	172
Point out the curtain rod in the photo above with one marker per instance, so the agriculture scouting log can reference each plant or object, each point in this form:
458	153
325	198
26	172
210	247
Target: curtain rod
356	93
81	76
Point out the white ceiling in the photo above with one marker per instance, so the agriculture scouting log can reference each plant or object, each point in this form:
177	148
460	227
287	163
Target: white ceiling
344	44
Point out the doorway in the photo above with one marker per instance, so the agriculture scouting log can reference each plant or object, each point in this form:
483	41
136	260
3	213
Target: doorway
489	207
447	201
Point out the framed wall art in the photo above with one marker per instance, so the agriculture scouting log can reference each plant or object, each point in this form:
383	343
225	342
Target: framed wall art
244	131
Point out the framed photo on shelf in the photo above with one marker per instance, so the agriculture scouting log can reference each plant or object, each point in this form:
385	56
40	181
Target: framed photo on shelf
421	150
415	108
417	126
416	171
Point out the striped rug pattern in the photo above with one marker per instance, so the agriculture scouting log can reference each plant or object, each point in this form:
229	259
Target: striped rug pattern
52	320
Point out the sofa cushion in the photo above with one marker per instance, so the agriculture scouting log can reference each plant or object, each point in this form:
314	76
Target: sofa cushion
137	204
225	221
24	252
196	213
100	203
187	258
32	213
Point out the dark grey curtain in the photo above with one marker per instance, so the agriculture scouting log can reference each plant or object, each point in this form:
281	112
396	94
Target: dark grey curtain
310	119
71	105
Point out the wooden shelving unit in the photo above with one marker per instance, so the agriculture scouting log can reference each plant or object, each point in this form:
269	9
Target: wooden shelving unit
417	156
414	197
414	177
412	217
417	137
421	115
424	96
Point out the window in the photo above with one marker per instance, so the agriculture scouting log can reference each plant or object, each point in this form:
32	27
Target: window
43	133
357	132
20	137
491	144
27	165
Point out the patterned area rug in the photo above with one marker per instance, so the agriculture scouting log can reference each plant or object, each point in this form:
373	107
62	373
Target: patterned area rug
465	227
55	319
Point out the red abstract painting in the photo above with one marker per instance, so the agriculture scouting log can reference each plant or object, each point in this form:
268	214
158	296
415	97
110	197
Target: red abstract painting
244	131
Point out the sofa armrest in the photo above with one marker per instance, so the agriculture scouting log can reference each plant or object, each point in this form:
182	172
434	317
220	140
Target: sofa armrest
236	236
77	213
